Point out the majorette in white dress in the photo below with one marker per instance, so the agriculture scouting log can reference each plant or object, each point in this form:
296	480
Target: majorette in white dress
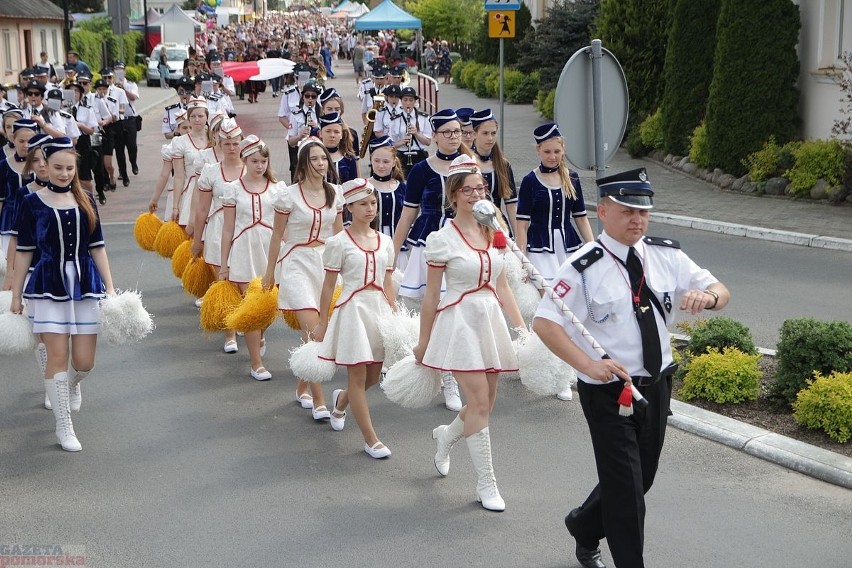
300	272
252	229
184	147
212	178
470	332
353	336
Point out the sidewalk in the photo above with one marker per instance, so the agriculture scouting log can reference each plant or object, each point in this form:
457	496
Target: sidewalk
679	199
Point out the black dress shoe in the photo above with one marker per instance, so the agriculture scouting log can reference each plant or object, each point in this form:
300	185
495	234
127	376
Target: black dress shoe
111	186
589	558
125	181
102	199
135	169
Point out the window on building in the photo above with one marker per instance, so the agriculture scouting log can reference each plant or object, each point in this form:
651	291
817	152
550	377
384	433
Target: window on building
7	52
55	45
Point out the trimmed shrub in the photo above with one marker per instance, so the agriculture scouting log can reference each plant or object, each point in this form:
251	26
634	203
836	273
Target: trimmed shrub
651	131
492	83
719	333
470	73
636	32
807	346
815	159
698	153
545	102
826	404
480	84
456	74
688	70
634	145
524	91
763	164
548	46
755	57
724	377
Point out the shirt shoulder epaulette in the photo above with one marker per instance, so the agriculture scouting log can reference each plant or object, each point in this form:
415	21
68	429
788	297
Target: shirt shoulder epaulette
421	113
64	114
214	97
170	107
289	90
588	259
661	242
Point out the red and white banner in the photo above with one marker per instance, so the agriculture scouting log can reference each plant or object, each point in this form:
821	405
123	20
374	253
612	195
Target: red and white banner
261	70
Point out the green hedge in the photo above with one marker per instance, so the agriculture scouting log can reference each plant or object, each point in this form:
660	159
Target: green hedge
545	101
719	333
523	87
456	73
815	159
698	153
826	404
807	346
651	131
724	377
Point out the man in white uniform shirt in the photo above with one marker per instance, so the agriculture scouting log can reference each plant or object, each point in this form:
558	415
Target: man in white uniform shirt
623	289
126	129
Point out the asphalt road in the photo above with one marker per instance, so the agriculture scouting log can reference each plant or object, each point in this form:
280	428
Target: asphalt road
188	462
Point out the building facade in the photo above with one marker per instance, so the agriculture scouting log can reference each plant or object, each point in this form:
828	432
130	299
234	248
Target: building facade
28	27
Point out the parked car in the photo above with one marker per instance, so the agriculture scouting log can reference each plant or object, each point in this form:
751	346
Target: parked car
176	54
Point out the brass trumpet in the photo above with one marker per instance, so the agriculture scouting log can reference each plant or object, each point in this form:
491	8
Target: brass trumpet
367	134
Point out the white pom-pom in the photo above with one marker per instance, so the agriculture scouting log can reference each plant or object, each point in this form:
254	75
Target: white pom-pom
410	384
400	332
5	301
541	371
124	319
306	365
526	294
16	334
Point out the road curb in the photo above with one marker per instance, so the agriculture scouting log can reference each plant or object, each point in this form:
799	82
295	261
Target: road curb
786	452
749	232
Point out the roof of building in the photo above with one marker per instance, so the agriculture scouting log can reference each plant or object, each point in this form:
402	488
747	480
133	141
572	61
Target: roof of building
32	9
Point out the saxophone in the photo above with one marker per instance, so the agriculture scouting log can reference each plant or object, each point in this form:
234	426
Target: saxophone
367	134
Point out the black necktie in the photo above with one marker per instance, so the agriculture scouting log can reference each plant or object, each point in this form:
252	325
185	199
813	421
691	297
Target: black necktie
652	357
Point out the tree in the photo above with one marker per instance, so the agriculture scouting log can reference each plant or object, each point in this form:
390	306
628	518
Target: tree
688	71
487	50
453	20
753	93
563	30
82	6
636	32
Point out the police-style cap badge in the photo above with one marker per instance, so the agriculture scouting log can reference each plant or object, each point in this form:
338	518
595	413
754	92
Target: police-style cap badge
630	188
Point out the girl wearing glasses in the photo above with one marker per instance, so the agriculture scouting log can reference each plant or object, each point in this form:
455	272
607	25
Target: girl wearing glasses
181	129
209	218
303	119
310	211
185	151
63	293
550	196
12	177
426	210
496	169
465	332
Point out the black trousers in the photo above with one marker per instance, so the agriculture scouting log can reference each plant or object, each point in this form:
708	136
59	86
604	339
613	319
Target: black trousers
627	452
125	138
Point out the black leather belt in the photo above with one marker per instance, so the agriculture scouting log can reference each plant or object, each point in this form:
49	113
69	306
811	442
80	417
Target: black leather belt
648	381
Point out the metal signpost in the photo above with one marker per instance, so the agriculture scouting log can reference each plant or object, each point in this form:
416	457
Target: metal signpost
501	25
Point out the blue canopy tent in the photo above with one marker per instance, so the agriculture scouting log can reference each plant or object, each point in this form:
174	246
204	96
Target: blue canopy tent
341	6
387	16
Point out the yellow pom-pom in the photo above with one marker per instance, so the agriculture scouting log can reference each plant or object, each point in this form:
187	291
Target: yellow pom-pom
254	285
197	277
168	238
256	312
145	230
290	315
221	299
181	257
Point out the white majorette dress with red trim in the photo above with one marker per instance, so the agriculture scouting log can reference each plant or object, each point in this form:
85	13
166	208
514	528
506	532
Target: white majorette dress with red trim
470	332
300	273
252	229
212	178
184	147
166	154
353	336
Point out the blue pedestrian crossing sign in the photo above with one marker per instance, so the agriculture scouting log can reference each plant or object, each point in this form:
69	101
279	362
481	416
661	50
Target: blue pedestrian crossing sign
491	5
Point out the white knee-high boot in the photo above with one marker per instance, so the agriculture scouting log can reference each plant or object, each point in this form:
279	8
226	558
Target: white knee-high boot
57	391
41	359
452	399
446	435
479	445
75	394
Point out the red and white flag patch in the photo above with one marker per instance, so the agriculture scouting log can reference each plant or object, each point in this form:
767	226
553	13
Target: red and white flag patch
562	288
